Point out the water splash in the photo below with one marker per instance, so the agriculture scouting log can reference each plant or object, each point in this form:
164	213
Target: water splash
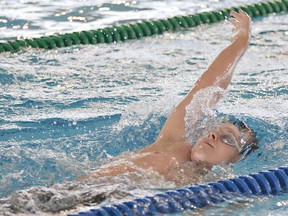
200	117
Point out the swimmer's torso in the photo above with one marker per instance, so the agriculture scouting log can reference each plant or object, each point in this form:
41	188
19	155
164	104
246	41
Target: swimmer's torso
169	159
181	173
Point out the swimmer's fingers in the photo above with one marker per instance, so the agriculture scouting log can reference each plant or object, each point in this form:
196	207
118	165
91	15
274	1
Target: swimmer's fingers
242	18
235	22
241	15
235	29
241	23
236	15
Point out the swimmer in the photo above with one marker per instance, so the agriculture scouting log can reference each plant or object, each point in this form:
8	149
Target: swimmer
171	155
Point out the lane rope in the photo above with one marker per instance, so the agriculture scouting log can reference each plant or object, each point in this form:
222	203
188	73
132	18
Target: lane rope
141	29
271	182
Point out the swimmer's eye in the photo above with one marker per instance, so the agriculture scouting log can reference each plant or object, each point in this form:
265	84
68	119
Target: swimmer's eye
228	139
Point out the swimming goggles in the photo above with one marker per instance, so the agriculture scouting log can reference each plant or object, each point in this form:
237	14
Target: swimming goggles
231	140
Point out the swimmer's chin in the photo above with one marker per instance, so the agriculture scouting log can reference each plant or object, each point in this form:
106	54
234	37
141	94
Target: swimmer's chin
202	161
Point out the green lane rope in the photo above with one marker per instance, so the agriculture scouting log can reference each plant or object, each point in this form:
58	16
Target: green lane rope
142	29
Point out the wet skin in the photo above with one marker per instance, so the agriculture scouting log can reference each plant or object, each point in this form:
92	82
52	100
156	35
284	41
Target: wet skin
170	153
210	148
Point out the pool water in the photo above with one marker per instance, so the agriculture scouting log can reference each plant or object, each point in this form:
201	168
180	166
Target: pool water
66	111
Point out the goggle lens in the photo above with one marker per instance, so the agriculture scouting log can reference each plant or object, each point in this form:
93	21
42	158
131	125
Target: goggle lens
230	140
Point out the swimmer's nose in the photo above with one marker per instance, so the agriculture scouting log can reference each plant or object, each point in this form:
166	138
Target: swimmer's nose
213	135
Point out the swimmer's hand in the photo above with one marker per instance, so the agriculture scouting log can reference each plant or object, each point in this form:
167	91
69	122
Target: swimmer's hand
242	27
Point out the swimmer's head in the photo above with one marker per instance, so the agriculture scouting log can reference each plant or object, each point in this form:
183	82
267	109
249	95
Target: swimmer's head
249	141
226	143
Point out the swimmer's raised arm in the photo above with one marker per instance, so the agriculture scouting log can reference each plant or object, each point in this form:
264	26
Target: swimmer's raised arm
218	74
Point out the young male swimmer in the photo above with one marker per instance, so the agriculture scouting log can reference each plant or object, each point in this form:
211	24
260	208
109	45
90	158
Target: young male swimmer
171	155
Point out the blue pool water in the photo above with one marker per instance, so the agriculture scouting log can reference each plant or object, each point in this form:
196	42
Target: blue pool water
64	112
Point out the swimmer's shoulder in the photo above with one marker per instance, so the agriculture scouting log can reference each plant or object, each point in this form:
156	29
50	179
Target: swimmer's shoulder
164	145
154	160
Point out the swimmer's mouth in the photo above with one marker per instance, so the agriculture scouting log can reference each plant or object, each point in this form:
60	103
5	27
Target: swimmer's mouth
209	144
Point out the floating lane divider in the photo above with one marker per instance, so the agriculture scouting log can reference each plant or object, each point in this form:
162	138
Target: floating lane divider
141	29
270	182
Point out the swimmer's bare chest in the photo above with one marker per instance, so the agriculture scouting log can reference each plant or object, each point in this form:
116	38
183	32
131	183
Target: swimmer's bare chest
150	161
180	172
163	156
159	158
155	160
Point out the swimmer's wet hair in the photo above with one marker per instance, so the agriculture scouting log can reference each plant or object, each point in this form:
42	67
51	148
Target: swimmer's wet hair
250	145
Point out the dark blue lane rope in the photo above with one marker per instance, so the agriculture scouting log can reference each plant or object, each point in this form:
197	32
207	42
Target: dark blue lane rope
270	182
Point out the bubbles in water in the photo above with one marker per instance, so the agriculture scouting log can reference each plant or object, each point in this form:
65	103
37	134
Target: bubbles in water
89	193
60	107
200	117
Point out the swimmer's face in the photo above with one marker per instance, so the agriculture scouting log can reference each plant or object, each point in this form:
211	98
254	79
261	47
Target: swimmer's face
211	149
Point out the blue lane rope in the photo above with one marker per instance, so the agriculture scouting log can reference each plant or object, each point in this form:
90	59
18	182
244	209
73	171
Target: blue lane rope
270	182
